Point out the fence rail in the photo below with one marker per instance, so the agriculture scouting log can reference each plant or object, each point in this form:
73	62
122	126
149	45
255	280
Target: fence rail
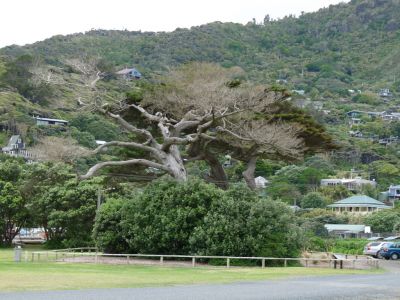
62	254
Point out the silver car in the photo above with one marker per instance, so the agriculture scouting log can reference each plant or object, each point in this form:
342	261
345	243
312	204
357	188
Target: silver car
374	248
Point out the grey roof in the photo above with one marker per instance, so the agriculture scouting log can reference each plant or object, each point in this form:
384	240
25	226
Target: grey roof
125	71
54	120
13	140
345	227
359	201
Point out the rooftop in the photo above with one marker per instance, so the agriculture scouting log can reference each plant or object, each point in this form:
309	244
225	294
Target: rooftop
345	227
360	201
48	119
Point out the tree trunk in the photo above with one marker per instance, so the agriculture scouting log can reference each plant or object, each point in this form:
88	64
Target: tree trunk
248	174
217	172
175	164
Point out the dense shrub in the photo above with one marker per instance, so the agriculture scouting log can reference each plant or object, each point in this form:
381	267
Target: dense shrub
107	230
197	218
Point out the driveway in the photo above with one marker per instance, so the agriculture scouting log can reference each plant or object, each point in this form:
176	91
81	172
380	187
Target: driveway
381	286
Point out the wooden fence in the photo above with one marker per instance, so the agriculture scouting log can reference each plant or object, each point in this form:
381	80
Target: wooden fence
96	257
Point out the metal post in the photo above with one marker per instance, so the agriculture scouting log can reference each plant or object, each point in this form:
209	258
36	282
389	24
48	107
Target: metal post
263	263
17	254
127	259
161	260
193	262
228	262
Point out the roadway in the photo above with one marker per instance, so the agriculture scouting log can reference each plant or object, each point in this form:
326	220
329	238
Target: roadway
363	287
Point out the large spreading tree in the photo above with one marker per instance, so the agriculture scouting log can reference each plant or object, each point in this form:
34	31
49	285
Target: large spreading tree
202	111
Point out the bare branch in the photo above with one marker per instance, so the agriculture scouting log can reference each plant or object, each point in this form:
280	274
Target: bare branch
143	162
127	145
128	126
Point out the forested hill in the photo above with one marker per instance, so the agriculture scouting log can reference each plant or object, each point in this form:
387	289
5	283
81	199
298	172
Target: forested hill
337	48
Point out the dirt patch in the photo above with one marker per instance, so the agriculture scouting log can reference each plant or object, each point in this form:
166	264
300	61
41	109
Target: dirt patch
129	261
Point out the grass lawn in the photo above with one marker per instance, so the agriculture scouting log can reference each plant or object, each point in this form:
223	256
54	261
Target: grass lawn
54	276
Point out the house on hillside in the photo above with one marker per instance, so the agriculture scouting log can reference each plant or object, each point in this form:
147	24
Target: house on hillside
352	184
16	148
47	121
393	193
385	93
359	204
129	73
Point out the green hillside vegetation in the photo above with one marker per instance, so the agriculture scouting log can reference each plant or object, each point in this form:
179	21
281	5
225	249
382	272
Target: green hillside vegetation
340	56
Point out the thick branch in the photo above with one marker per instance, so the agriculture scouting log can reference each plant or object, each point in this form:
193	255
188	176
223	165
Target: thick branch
147	115
128	126
128	145
248	174
143	162
217	172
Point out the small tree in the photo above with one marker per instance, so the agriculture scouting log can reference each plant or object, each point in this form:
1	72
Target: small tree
13	213
313	200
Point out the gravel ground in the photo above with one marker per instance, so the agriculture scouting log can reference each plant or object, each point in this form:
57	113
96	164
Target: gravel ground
352	287
348	287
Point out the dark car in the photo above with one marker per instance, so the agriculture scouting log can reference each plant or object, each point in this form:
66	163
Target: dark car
391	252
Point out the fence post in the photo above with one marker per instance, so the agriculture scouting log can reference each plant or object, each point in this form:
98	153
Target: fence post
26	256
285	263
161	260
38	257
341	264
306	262
56	255
263	263
127	259
228	262
47	256
354	263
33	256
193	262
95	258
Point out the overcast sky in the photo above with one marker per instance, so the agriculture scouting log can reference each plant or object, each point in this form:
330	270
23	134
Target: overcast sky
28	21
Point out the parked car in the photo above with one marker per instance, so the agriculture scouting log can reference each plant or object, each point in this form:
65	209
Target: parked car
391	252
375	248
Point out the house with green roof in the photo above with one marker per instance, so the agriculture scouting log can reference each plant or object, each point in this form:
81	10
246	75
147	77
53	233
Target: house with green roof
359	204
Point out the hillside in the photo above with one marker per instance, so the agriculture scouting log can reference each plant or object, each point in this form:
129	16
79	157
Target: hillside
337	59
343	46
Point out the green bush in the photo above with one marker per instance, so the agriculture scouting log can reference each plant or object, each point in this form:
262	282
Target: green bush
169	217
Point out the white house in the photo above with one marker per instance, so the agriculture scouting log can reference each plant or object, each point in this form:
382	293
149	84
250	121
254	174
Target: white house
48	121
16	148
353	184
358	205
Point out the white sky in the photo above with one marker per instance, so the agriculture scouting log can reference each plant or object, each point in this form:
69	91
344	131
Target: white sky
28	21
